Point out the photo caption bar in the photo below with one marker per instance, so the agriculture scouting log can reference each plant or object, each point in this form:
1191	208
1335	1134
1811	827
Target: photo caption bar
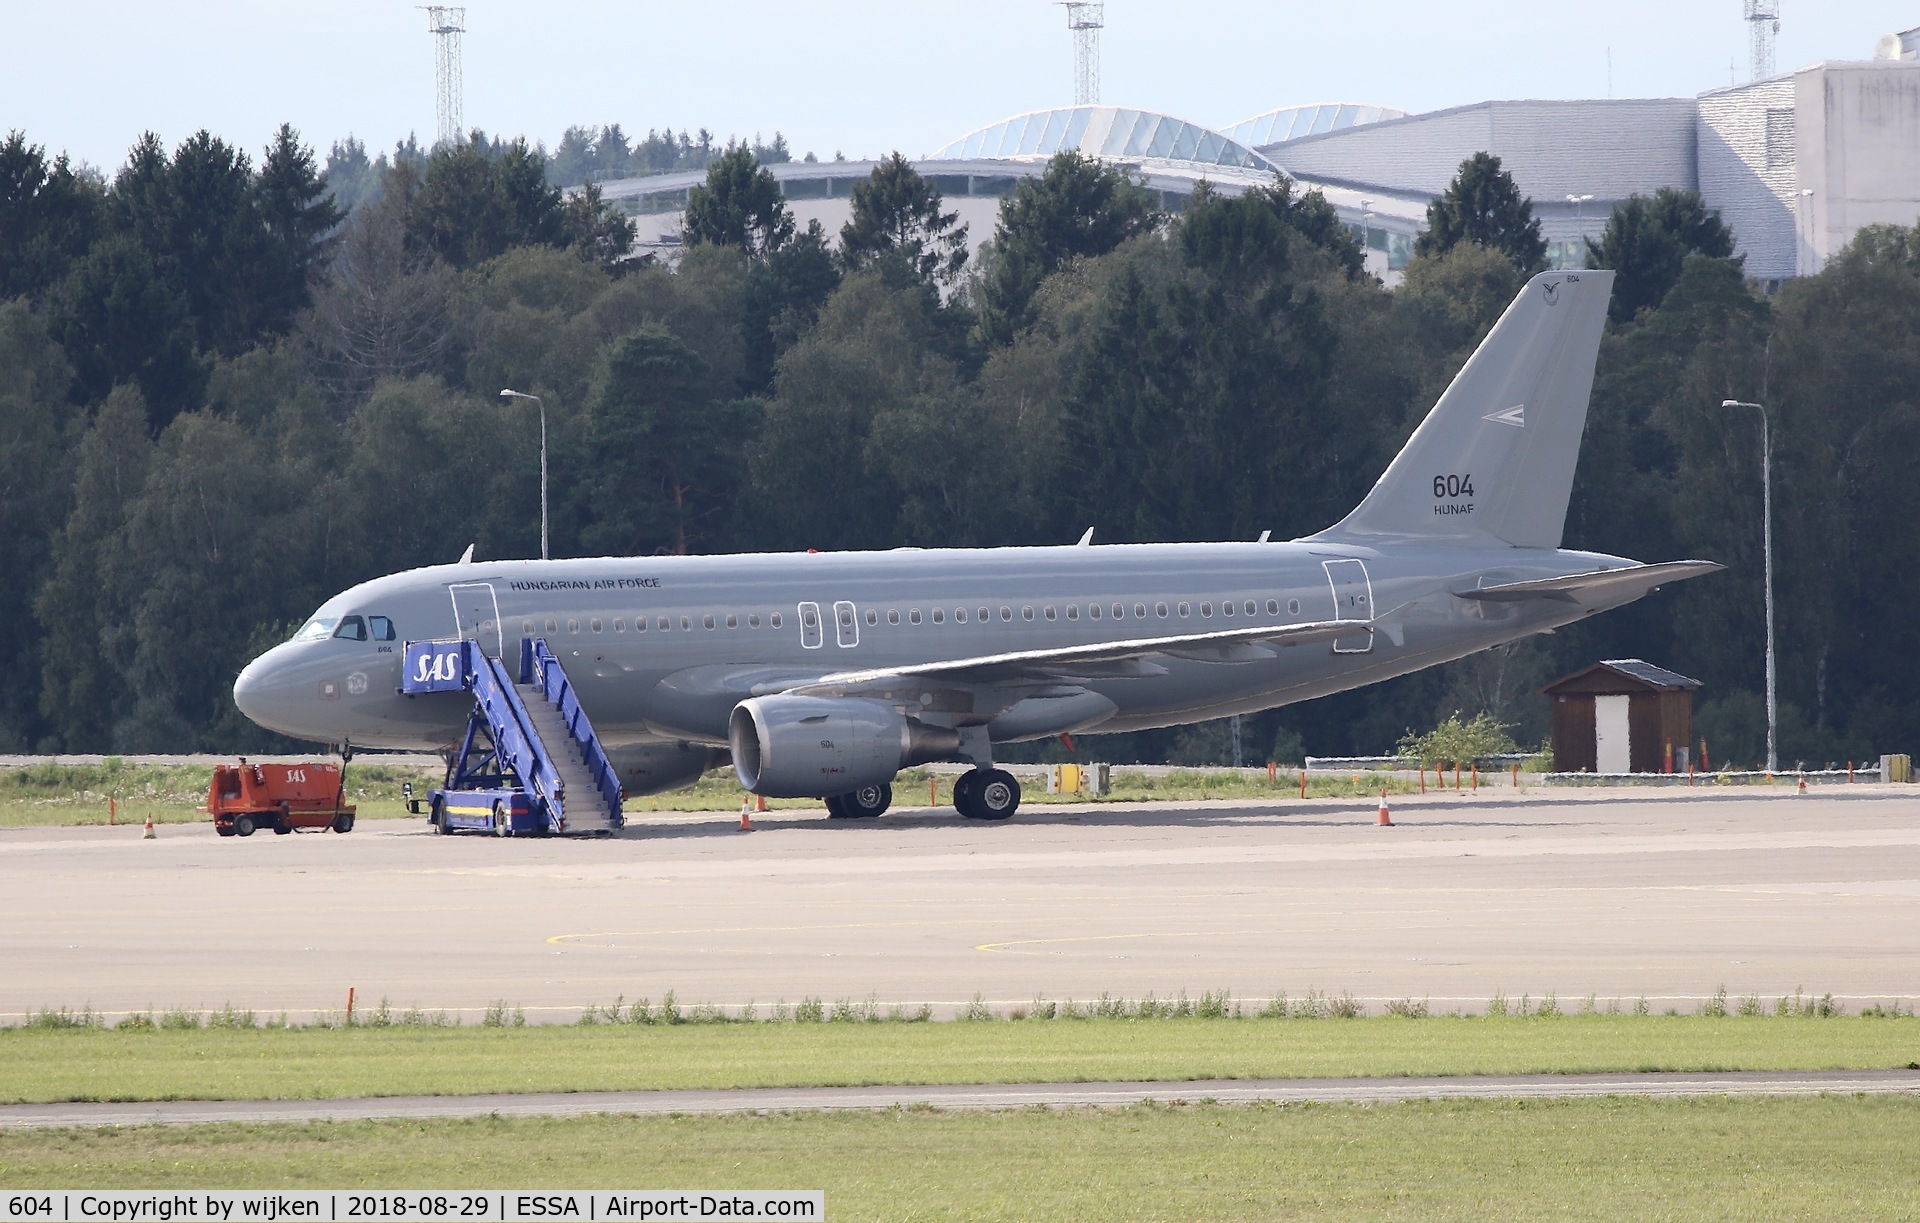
406	1206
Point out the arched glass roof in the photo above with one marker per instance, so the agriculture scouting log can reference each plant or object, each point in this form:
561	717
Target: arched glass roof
1293	122
1105	131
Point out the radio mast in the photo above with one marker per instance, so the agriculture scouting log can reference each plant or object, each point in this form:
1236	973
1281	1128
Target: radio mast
447	25
1763	22
1085	20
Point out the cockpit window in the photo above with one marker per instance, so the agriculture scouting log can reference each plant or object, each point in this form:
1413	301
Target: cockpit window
352	628
317	629
381	627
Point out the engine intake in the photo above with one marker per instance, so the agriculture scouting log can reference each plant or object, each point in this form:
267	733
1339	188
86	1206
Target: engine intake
816	746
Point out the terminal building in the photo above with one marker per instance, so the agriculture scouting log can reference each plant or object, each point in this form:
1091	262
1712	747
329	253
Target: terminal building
1795	163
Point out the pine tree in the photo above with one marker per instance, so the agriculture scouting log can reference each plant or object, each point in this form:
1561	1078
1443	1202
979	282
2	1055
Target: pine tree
1483	206
1647	240
740	205
896	213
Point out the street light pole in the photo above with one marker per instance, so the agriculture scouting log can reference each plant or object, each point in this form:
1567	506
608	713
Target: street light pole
512	394
1766	535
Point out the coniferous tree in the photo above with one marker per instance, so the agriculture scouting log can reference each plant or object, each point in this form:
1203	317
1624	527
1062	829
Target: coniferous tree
896	214
1482	205
739	205
1646	241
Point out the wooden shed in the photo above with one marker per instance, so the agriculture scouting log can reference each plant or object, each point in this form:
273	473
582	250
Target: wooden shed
1621	716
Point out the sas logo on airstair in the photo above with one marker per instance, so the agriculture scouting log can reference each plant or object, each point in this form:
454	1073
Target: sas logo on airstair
435	666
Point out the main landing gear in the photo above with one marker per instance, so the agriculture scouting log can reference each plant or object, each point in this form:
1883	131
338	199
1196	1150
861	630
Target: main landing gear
866	803
986	794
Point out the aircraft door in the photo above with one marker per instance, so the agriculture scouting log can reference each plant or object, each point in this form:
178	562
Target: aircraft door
1352	600
846	625
810	637
476	615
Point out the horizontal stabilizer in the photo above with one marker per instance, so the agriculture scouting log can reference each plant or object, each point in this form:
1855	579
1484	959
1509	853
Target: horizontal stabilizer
1601	584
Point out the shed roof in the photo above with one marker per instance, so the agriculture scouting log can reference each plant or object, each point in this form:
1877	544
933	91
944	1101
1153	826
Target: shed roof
1621	675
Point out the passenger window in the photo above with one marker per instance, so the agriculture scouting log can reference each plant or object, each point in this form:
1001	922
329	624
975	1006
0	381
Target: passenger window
753	619
774	620
382	628
1073	611
986	614
1293	607
707	619
959	615
686	624
594	624
873	617
1226	607
913	615
1049	612
1249	608
1093	610
733	621
1160	609
619	625
573	626
1140	611
893	615
1026	613
353	628
1206	609
939	615
526	628
1273	607
553	626
1006	613
663	623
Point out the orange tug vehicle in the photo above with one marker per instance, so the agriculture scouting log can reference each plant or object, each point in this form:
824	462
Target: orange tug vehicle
282	797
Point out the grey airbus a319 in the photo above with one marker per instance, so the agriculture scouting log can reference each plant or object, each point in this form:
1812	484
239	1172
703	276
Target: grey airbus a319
823	674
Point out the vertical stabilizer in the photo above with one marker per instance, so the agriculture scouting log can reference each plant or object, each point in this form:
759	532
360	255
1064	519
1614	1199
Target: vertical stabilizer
1496	455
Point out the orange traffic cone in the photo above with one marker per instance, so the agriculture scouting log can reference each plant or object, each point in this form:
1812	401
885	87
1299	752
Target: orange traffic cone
148	834
1386	820
759	802
1803	783
746	817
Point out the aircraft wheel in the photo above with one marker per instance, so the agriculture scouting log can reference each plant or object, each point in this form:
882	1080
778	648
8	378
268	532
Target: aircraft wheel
996	796
242	825
964	787
502	823
866	803
837	807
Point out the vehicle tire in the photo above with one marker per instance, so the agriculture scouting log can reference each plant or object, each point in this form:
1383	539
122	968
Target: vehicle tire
837	807
502	822
242	825
437	815
225	832
342	822
964	787
280	828
997	796
868	802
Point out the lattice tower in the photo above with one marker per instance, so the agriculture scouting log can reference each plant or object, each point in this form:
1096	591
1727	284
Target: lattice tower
447	25
1763	22
1085	20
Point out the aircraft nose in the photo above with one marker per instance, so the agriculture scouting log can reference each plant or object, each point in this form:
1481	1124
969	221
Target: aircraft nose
265	693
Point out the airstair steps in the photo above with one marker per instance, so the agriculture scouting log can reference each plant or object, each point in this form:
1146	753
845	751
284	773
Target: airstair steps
530	740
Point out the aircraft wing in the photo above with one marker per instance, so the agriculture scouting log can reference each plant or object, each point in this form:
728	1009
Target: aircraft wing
1111	659
1631	581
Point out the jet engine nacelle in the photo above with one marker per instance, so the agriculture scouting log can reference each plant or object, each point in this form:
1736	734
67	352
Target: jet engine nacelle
817	746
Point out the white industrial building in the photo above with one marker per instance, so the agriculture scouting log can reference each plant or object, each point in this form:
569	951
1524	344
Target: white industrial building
1795	163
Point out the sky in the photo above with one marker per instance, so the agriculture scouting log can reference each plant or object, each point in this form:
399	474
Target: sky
852	76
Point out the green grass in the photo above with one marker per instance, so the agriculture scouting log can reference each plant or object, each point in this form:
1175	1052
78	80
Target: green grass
1749	1159
76	794
40	1065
